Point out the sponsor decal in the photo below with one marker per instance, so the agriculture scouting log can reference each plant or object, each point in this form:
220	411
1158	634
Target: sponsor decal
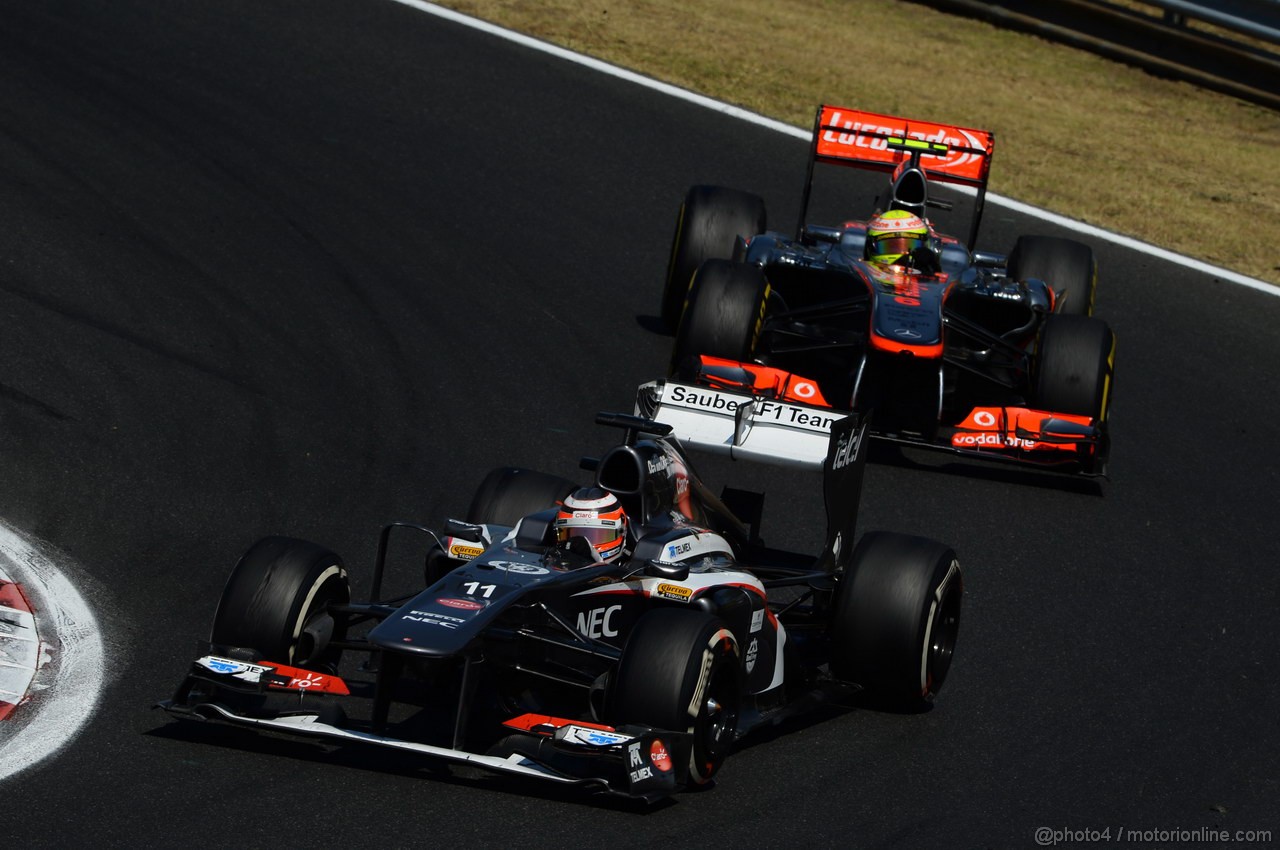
757	620
675	550
674	591
633	756
984	418
706	399
656	465
906	333
659	757
235	669
752	649
598	622
593	737
868	131
434	618
460	604
787	414
517	567
846	452
464	551
992	440
641	774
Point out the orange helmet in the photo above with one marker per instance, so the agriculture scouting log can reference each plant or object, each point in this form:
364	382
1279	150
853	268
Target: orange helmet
894	235
597	515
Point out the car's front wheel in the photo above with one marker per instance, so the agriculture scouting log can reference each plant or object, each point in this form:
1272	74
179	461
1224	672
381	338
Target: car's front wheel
277	600
681	670
711	220
1074	363
725	315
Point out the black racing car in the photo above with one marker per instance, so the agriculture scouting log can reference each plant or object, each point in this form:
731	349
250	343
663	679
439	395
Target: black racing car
985	354
529	656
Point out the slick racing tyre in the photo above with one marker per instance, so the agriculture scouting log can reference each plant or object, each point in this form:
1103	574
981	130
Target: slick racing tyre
1066	265
276	602
681	671
710	221
897	611
725	314
508	493
1073	366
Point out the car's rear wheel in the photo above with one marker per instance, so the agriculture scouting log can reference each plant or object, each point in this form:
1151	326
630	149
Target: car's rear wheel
711	220
1066	265
681	671
726	310
277	600
897	612
508	493
1074	365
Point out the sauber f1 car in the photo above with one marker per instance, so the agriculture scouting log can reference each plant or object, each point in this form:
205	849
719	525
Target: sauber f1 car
526	654
992	355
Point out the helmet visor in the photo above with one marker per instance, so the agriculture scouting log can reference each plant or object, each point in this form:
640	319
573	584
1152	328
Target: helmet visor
895	246
596	536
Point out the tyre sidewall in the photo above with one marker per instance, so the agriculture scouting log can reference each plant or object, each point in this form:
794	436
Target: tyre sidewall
275	589
671	660
896	615
1067	266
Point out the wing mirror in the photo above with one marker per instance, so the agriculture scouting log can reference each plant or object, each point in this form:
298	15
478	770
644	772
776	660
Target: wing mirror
670	572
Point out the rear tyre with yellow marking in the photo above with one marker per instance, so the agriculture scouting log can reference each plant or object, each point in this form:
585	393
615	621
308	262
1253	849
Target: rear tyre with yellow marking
1066	265
710	222
727	303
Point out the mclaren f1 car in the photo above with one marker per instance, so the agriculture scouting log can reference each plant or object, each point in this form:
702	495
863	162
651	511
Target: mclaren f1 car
993	355
528	654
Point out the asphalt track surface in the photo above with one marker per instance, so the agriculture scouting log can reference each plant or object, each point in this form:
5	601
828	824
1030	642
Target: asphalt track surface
274	269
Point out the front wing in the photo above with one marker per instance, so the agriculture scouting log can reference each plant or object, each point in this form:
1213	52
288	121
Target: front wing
631	761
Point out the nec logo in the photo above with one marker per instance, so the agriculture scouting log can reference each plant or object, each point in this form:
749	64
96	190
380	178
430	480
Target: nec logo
598	622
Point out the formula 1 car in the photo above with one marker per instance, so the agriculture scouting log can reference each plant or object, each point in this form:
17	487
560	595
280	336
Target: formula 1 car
528	655
996	356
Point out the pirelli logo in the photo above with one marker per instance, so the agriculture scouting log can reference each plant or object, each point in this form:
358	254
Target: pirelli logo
674	591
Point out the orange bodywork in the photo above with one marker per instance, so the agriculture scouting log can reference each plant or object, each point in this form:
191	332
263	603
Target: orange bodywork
861	137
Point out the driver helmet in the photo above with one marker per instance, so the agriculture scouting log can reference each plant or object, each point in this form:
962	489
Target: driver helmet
597	515
893	235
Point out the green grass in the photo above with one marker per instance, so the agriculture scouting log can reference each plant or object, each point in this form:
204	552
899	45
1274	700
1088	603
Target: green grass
1166	162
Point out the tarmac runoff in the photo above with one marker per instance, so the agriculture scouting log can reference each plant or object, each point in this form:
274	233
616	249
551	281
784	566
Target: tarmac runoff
51	655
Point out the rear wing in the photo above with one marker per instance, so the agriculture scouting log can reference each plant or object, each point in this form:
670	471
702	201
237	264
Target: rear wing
945	153
747	427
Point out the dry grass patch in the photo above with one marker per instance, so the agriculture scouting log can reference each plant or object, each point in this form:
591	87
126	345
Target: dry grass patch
1078	134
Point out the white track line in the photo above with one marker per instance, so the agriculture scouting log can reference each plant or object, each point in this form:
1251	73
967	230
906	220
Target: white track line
742	114
67	687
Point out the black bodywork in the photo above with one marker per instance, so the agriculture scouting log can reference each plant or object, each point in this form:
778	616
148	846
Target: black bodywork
925	345
507	660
